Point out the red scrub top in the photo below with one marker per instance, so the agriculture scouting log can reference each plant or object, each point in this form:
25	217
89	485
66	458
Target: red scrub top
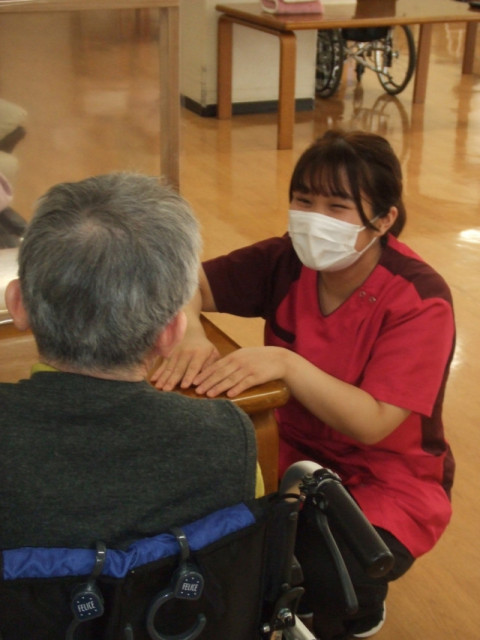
394	338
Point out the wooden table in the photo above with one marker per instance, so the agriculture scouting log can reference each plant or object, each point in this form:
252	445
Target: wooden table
169	61
365	13
18	352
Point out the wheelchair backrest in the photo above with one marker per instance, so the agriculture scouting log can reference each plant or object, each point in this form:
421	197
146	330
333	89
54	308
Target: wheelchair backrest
215	578
365	34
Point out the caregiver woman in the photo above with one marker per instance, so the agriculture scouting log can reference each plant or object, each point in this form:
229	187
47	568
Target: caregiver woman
362	331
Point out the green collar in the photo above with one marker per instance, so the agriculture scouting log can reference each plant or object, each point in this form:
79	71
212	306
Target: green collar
41	366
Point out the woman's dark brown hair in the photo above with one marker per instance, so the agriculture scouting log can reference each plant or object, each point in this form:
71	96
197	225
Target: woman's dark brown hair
354	164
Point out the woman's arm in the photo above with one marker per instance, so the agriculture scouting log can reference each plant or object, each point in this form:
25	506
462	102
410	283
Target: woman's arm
344	407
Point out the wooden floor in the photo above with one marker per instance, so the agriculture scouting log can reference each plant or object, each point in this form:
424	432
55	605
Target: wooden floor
89	86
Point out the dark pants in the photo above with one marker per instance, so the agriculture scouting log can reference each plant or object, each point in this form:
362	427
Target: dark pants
323	591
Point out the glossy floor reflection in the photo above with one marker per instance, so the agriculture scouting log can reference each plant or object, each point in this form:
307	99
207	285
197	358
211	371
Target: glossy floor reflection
89	87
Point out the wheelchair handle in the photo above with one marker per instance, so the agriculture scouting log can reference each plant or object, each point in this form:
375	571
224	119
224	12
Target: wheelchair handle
187	584
325	489
155	634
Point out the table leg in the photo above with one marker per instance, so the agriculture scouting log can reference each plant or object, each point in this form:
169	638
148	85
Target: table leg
169	94
286	91
423	55
469	51
224	68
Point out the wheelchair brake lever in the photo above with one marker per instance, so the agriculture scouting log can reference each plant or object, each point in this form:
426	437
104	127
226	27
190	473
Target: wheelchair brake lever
325	489
351	600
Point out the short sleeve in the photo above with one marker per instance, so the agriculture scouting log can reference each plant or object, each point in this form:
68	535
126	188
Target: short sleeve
250	282
411	356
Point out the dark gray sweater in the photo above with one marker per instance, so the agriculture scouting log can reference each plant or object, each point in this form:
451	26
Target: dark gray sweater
84	459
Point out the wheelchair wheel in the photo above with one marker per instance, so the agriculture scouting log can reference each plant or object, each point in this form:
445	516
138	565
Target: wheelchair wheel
329	67
395	59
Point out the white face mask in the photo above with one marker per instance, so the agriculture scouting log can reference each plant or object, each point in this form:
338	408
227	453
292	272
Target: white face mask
324	243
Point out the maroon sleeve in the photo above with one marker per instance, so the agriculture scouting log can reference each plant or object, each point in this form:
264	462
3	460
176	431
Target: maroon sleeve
251	281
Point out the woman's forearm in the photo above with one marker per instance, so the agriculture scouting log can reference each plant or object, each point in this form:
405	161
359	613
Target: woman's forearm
344	407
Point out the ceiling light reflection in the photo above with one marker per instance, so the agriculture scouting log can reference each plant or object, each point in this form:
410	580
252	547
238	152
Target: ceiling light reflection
470	235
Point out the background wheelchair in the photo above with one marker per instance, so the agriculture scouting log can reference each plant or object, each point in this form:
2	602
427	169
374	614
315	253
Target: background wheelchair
229	575
387	51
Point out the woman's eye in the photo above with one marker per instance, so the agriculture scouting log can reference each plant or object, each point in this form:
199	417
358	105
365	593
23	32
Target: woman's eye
303	200
341	206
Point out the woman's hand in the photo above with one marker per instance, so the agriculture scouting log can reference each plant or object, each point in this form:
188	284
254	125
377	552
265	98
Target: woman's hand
344	407
240	370
184	364
195	351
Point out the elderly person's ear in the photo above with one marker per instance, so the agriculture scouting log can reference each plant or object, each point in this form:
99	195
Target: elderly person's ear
15	306
171	335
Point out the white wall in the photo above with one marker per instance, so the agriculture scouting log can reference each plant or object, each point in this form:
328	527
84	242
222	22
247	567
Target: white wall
255	58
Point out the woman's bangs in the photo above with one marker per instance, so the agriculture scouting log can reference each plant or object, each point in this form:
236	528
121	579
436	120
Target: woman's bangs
326	179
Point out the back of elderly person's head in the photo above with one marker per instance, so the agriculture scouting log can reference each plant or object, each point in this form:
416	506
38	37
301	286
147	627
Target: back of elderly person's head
105	265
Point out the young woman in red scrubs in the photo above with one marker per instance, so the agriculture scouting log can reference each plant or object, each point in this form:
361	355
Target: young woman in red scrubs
362	331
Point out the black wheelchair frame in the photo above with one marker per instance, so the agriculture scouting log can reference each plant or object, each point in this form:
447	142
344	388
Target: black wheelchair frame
387	51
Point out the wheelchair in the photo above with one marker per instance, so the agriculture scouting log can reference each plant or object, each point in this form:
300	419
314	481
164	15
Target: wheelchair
229	575
387	51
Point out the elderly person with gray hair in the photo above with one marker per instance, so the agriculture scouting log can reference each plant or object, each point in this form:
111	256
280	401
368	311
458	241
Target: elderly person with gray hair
89	449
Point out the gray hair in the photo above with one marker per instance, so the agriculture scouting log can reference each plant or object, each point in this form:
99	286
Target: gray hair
105	264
